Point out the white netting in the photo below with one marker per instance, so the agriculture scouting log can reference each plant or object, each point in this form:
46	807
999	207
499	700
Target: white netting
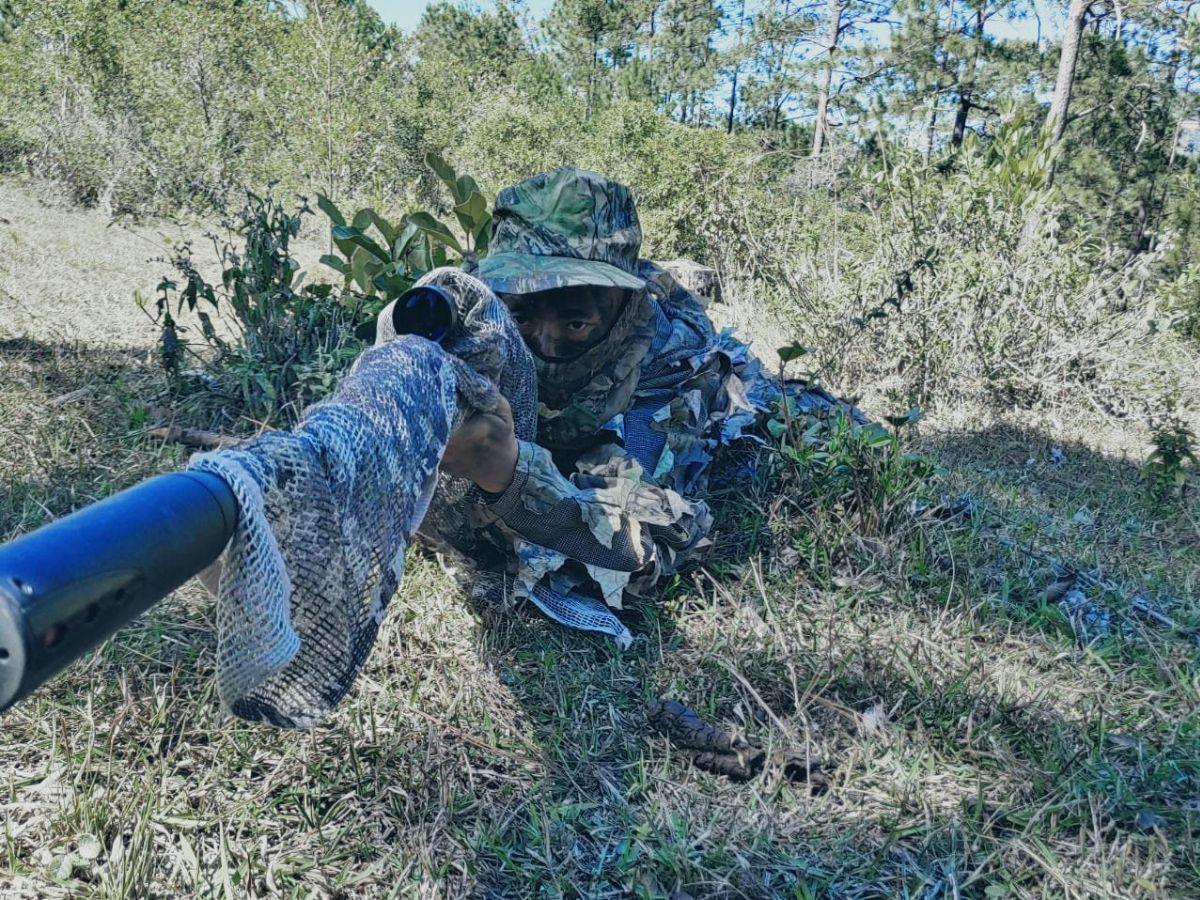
327	511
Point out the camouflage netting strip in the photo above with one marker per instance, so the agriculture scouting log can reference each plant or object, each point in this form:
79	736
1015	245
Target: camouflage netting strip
328	510
326	513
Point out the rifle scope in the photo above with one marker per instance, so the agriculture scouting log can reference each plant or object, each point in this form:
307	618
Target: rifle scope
69	585
428	311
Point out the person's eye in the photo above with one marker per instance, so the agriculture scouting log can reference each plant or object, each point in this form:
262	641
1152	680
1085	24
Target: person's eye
577	326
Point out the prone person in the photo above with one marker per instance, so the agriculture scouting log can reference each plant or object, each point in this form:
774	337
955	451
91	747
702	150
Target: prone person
637	397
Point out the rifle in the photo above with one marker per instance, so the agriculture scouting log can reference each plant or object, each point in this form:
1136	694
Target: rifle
71	584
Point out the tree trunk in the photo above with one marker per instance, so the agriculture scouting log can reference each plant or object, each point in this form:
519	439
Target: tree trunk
732	103
943	67
736	69
931	127
835	27
1056	119
587	116
966	90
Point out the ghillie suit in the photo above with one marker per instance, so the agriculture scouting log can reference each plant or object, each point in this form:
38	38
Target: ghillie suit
606	501
615	446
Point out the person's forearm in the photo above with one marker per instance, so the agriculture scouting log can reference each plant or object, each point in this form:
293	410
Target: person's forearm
540	507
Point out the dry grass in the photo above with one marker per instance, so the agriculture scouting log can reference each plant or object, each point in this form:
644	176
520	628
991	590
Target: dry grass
975	748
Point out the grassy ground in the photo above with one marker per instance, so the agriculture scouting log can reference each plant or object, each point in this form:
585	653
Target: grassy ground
973	745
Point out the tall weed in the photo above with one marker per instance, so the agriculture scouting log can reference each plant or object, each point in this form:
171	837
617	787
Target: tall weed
280	344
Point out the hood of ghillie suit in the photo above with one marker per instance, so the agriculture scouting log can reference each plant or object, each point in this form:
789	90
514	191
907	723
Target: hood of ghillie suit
574	228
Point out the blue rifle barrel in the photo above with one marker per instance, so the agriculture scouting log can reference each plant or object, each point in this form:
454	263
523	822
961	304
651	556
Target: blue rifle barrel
69	585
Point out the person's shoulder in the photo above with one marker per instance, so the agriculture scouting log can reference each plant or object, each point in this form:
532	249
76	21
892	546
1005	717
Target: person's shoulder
663	285
676	301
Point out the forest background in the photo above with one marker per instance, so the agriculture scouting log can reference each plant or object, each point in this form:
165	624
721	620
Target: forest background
986	210
810	152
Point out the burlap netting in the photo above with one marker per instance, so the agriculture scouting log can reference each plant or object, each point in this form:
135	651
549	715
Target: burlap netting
328	509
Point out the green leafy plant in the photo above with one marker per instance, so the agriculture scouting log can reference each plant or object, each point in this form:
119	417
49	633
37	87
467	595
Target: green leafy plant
903	287
1180	298
282	343
381	259
1174	454
861	471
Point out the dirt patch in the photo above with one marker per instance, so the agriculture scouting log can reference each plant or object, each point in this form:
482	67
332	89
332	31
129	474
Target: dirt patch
69	274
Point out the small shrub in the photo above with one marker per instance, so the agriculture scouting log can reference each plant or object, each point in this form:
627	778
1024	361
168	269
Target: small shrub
285	343
1180	298
859	473
1174	454
289	342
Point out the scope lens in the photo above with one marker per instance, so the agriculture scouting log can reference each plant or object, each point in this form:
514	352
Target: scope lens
427	311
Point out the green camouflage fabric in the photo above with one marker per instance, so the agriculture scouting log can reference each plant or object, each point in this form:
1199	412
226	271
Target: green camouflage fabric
564	228
521	273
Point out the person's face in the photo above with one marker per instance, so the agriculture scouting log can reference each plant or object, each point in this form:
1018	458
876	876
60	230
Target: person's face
564	322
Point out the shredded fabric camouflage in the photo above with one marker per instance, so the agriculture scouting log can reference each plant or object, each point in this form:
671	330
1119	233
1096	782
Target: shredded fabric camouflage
325	514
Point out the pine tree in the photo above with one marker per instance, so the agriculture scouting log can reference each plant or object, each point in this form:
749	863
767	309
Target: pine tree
781	33
583	34
685	60
833	36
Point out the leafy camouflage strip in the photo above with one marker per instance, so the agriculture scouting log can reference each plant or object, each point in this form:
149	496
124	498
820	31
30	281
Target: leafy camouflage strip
696	392
612	496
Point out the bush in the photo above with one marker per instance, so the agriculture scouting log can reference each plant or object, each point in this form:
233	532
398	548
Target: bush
996	303
1180	299
283	344
862	475
1174	454
149	107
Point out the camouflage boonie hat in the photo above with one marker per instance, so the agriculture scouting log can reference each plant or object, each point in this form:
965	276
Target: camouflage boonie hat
563	228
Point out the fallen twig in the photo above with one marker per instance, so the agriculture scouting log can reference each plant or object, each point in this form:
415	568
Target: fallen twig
685	727
481	744
194	437
1068	578
70	397
724	752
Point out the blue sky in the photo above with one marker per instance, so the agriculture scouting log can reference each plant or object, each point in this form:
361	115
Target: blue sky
406	13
